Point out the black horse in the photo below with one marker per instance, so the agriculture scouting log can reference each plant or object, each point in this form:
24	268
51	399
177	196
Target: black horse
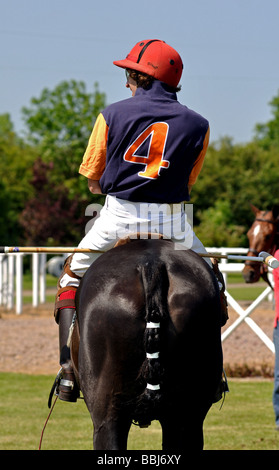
150	343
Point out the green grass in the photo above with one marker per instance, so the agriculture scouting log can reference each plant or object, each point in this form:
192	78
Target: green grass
51	281
235	277
23	412
243	291
245	422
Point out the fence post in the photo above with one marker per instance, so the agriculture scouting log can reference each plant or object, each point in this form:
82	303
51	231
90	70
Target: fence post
5	281
42	277
35	279
19	283
10	282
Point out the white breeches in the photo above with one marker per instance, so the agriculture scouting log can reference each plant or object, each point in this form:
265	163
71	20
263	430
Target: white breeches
119	218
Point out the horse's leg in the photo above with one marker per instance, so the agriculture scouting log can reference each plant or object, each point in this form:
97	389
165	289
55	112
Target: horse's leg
178	437
111	424
183	431
111	434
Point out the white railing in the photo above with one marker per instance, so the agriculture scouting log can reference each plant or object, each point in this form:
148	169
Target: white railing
11	280
244	315
11	287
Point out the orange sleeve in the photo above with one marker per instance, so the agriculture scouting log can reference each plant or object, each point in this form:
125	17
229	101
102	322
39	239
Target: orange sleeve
199	161
94	159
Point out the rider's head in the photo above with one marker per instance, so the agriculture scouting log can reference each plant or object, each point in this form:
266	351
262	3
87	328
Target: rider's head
153	58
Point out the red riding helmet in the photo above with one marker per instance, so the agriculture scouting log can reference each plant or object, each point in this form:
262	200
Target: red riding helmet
156	58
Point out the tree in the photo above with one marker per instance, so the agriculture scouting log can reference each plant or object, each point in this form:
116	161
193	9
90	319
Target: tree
232	177
50	217
218	227
268	134
59	124
16	159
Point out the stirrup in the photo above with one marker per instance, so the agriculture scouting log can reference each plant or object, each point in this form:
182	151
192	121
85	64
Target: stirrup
67	387
70	391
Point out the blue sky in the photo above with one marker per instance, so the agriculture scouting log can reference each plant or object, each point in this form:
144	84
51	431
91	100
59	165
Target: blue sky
230	50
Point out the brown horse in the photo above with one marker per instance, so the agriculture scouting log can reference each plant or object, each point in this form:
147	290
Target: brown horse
262	236
149	321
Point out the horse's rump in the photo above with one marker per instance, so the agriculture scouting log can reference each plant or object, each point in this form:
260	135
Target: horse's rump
127	362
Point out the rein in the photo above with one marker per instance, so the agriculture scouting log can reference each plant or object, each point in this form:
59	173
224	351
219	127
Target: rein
43	430
269	221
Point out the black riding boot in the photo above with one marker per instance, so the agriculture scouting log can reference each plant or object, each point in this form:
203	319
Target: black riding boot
67	389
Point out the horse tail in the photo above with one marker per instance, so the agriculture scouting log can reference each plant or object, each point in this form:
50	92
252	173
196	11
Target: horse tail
155	285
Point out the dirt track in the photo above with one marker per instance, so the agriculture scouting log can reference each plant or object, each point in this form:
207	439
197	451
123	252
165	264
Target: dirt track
29	342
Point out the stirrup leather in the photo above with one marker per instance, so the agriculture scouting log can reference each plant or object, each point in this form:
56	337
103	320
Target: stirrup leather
54	387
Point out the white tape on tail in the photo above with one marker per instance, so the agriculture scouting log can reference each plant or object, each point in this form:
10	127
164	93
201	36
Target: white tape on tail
152	355
153	387
152	325
269	259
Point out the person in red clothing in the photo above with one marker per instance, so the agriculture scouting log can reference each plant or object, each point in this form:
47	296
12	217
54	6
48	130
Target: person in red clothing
144	152
275	397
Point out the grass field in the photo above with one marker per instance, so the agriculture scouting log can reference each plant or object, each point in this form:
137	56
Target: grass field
245	421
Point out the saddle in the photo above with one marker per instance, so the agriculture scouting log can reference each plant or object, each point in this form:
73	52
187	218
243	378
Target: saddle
140	236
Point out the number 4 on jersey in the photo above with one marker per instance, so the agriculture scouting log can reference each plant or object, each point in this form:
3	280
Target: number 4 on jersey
153	161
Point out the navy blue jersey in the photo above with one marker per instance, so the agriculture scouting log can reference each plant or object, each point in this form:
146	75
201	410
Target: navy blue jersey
155	147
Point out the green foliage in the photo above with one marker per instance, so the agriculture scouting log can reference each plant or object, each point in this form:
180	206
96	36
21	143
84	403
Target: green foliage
16	158
51	217
268	134
59	124
220	215
233	176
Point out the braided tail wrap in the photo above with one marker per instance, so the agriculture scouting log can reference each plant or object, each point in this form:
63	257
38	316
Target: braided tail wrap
155	284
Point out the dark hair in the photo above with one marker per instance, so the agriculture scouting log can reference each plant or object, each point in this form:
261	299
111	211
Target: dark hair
145	81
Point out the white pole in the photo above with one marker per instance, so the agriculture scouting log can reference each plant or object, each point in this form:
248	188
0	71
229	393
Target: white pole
19	284
10	282
42	279
5	280
35	279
